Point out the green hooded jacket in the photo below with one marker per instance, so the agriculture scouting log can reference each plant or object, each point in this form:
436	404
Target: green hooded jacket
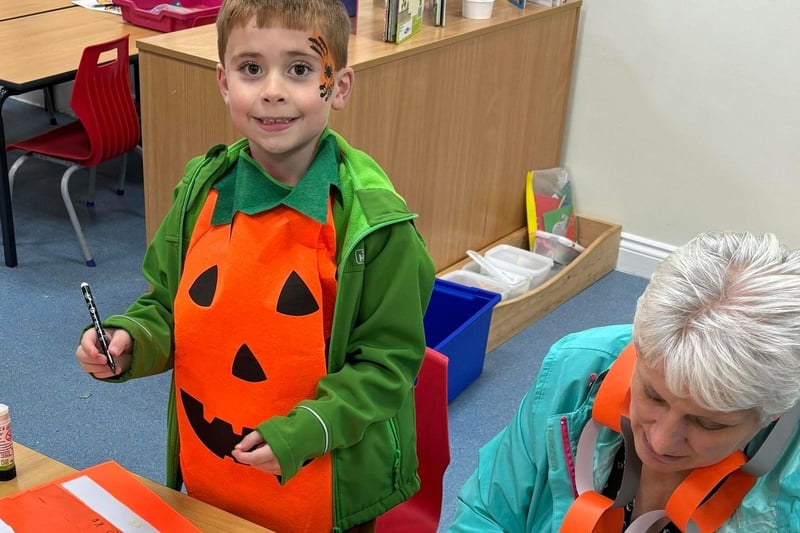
363	411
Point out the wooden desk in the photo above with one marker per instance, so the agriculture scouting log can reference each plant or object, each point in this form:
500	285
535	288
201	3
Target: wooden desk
33	469
455	115
42	50
11	9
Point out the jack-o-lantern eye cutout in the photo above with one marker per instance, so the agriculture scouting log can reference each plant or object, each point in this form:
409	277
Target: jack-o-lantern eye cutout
246	367
296	298
202	290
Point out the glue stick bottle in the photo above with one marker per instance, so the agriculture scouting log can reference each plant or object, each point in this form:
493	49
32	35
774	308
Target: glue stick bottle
8	470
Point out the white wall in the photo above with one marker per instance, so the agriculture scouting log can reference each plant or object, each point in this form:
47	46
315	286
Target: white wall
685	117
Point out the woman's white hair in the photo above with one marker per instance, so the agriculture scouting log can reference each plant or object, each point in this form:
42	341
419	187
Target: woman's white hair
721	318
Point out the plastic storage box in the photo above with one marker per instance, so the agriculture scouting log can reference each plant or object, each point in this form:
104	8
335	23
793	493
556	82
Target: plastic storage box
532	277
470	276
168	16
457	325
538	266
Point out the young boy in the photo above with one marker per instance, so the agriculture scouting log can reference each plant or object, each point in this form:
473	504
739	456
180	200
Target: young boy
288	290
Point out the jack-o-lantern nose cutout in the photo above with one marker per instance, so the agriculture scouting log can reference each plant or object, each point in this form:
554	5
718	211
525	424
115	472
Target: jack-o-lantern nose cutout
296	298
246	367
202	290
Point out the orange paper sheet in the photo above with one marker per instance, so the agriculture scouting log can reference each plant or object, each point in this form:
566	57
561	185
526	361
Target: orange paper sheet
113	501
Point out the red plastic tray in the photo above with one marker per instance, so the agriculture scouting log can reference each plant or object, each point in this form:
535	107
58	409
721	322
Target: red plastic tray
169	16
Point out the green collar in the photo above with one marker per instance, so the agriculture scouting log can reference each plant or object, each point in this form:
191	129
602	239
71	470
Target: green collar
248	188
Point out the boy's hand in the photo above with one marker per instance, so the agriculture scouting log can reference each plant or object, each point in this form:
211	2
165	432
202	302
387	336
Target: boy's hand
93	360
254	451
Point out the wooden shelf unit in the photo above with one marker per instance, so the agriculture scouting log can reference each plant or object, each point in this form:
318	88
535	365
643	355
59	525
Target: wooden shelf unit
455	115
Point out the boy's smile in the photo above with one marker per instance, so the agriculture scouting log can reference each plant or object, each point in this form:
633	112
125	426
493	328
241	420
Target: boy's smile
280	86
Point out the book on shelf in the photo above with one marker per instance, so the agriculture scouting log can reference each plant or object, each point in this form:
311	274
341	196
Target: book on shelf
105	497
436	10
389	20
402	19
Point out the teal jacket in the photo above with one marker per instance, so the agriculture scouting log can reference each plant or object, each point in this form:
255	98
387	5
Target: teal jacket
363	412
523	483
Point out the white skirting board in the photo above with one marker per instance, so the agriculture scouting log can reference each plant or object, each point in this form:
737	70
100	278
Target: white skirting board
640	256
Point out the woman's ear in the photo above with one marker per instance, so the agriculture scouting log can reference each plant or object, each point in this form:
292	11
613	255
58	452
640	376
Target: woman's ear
344	86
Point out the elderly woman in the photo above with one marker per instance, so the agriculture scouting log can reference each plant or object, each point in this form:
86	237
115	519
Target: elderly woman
707	377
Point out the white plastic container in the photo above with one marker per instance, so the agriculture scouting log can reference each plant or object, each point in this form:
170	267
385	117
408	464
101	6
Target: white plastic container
538	266
472	278
477	9
533	277
517	278
517	286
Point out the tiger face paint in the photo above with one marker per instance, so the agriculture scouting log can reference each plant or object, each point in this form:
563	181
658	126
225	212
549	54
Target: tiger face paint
326	74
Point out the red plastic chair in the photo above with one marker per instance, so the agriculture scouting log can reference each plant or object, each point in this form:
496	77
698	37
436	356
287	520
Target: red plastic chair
421	513
107	126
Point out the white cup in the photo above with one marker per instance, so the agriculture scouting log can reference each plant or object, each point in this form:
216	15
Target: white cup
477	9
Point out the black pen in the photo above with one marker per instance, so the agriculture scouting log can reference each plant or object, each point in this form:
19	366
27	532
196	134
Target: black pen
98	327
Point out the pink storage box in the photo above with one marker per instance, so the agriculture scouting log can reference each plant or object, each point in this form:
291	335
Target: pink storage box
169	16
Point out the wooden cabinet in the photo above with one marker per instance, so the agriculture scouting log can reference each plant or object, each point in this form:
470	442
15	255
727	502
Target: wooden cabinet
455	115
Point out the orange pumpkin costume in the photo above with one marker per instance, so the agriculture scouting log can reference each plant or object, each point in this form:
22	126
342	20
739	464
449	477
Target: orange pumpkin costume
263	363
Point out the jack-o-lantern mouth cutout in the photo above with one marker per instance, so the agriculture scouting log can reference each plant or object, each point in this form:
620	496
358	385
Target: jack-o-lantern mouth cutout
218	435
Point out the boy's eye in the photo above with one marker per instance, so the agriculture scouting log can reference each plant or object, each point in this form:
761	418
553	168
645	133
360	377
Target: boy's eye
251	69
299	69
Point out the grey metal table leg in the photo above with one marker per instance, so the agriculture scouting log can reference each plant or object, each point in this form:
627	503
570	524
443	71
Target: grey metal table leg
6	214
50	103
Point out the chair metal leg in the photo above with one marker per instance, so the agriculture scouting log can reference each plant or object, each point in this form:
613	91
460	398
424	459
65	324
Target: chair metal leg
12	172
122	173
92	185
73	217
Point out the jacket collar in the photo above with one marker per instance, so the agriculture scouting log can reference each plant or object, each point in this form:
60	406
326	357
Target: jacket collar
248	188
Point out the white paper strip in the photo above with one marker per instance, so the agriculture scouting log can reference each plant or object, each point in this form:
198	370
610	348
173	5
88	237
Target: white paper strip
106	505
5	528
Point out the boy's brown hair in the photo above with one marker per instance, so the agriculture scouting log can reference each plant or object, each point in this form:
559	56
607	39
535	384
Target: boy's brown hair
328	17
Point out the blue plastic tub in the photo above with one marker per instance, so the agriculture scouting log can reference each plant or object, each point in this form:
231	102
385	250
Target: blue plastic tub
351	6
457	325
